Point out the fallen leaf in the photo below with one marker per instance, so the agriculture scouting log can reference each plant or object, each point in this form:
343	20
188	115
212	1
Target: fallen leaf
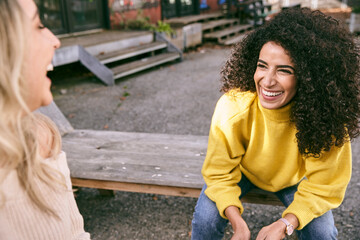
106	126
71	115
155	198
122	98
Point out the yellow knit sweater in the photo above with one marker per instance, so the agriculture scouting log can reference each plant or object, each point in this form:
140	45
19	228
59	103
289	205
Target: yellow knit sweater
246	138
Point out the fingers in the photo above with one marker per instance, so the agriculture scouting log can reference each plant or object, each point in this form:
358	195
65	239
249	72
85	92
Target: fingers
274	231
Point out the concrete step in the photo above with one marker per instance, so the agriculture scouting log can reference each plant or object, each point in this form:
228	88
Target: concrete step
142	64
182	21
235	39
114	47
99	43
222	35
130	52
128	40
218	24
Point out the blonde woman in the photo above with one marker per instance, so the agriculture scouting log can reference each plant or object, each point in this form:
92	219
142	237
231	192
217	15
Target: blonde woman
36	201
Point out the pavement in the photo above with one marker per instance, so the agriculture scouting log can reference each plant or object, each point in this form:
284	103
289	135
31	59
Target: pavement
178	98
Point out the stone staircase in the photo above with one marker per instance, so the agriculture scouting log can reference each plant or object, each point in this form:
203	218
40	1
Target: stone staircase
224	33
112	55
215	27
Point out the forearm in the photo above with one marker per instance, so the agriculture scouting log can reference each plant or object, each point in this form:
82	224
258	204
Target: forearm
291	218
233	214
241	230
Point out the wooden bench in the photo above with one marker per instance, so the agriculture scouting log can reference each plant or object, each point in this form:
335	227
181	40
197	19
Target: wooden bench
138	162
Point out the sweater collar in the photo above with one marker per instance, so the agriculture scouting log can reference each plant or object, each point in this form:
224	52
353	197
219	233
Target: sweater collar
279	115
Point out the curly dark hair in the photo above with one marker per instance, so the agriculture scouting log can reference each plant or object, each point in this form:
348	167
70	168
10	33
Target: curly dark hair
325	108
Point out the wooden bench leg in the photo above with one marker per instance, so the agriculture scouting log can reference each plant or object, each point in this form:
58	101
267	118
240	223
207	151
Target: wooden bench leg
106	193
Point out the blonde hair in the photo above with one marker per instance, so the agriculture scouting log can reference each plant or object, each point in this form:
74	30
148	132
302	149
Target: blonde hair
23	134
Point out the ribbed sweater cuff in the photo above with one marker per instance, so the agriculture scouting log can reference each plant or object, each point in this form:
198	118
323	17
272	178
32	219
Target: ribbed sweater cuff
227	201
304	215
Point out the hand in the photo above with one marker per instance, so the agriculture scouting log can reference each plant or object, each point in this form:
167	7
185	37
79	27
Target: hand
274	231
241	230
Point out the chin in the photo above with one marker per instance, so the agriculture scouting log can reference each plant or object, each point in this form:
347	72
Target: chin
47	101
271	105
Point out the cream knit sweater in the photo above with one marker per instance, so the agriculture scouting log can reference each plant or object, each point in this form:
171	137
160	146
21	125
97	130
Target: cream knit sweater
21	219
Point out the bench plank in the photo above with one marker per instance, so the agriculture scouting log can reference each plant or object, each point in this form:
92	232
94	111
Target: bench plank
54	113
256	196
144	158
142	162
139	188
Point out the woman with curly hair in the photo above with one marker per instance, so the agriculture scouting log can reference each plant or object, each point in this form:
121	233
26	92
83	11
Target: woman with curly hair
284	125
36	198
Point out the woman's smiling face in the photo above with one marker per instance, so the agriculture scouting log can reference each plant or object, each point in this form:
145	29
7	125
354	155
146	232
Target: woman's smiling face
275	77
41	45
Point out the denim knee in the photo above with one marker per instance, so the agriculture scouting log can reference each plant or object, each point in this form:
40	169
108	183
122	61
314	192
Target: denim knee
207	222
321	228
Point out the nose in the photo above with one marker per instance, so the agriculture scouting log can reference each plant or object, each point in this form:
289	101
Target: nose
269	79
54	40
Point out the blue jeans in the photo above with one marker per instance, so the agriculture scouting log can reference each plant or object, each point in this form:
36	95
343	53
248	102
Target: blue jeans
208	224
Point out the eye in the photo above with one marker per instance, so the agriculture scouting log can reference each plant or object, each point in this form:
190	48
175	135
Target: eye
285	71
41	26
260	65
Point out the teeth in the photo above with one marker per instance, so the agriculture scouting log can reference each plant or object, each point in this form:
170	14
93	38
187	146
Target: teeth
271	94
50	67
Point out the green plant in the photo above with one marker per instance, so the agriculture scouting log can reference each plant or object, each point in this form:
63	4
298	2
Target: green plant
141	22
356	9
163	27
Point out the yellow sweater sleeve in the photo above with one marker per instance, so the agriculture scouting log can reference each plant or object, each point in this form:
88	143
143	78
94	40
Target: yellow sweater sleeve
221	170
221	173
325	185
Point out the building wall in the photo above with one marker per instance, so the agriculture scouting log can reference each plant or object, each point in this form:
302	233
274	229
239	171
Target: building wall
213	5
123	10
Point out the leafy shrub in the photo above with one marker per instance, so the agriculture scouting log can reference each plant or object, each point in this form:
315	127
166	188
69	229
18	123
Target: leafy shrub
356	9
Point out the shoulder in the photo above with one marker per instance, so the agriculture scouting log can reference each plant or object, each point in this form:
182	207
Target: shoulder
233	104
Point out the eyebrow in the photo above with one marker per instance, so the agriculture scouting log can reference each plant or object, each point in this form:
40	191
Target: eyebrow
280	66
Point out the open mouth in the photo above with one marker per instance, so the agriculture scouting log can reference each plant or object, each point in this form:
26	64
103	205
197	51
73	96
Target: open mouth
50	67
271	94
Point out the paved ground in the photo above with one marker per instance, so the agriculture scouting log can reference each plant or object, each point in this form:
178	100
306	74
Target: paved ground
176	99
